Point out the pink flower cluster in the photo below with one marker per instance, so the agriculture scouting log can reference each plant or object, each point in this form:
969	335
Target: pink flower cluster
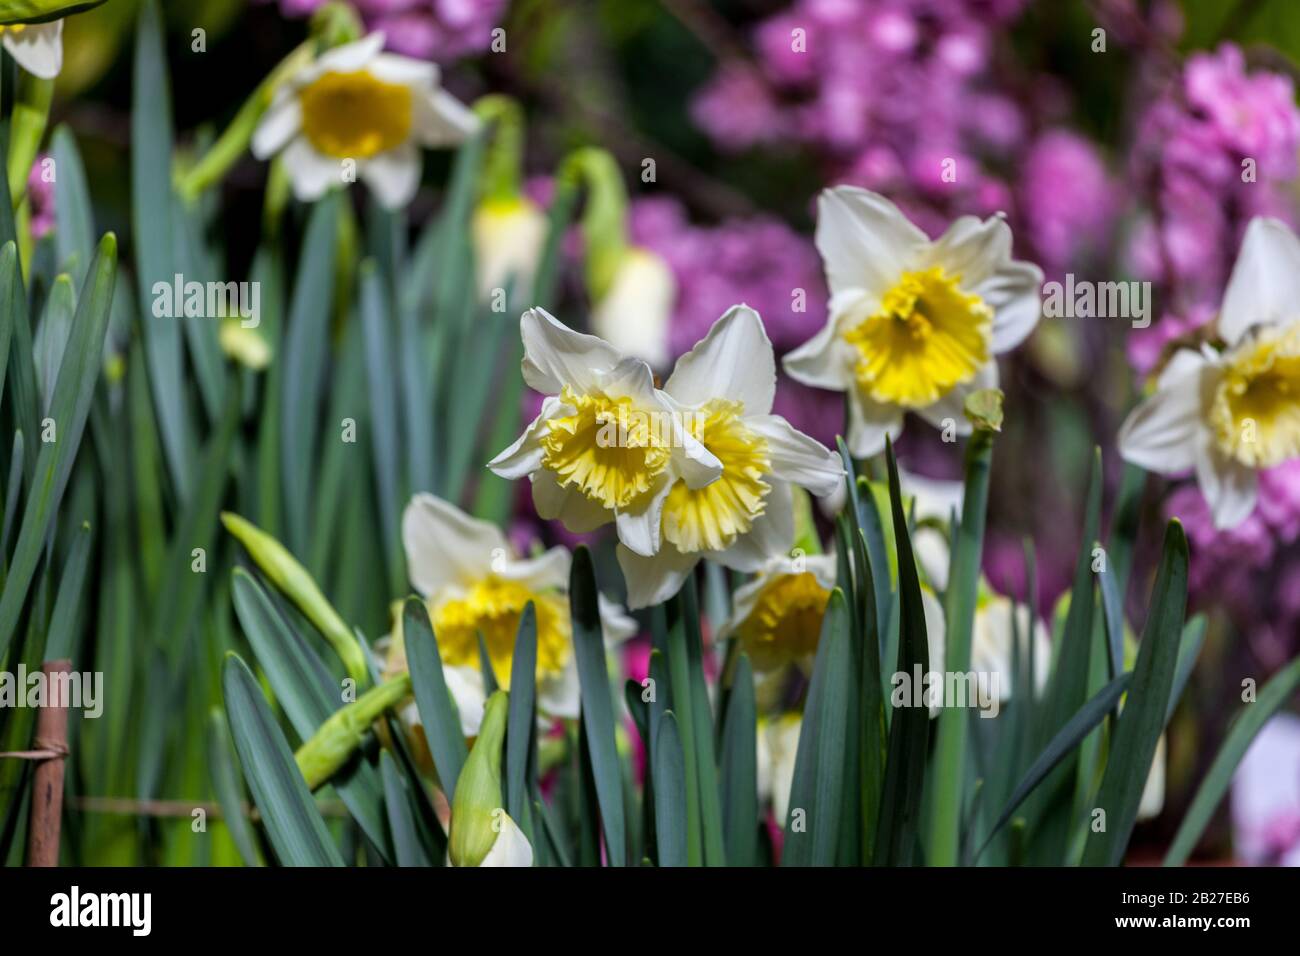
1213	152
439	30
900	96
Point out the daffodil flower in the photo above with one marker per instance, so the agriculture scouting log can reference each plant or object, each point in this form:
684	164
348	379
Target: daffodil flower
722	390
993	642
914	324
358	110
1228	414
36	47
474	584
607	445
777	743
777	616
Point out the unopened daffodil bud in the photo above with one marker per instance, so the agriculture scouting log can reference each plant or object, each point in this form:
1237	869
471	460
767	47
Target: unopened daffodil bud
482	833
344	731
244	344
293	581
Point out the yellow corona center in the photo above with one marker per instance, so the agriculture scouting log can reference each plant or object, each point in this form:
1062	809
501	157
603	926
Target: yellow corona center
712	517
608	449
492	607
355	115
786	621
1255	408
926	337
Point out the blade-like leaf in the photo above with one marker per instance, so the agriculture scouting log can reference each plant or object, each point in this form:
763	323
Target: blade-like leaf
597	709
438	712
229	791
1272	697
1143	718
401	816
740	769
522	719
670	793
293	823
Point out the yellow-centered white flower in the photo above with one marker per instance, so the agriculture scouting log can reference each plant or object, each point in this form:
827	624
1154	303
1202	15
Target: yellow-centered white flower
36	47
357	112
607	445
722	390
474	584
914	324
1228	414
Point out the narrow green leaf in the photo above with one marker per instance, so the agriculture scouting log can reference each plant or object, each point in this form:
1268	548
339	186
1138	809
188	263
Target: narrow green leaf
670	793
1189	649
597	709
59	643
1248	722
949	771
74	235
522	720
438	714
230	793
73	393
740	768
401	816
1143	718
1067	738
293	823
909	730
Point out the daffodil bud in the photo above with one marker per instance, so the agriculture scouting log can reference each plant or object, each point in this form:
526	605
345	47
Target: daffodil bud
634	314
343	732
482	833
244	344
509	235
292	580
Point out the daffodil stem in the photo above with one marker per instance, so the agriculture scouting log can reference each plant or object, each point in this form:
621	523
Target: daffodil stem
31	112
233	142
604	219
960	597
503	161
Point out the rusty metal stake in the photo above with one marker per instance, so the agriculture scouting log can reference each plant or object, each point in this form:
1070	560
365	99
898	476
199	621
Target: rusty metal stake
47	781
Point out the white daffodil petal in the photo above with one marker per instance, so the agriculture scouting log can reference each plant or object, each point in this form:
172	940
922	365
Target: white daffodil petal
525	456
440	119
639	525
548	570
446	546
826	360
797	458
556	503
348	58
511	847
404	71
635	312
653	580
393	176
870	423
1162	433
280	124
972	248
1264	288
465	684
734	360
772	532
696	464
311	174
952	406
555	355
37	48
1015	295
1229	487
560	694
864	239
616	625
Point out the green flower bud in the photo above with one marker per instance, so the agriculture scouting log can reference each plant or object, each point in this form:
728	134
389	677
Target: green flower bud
343	732
293	581
482	833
